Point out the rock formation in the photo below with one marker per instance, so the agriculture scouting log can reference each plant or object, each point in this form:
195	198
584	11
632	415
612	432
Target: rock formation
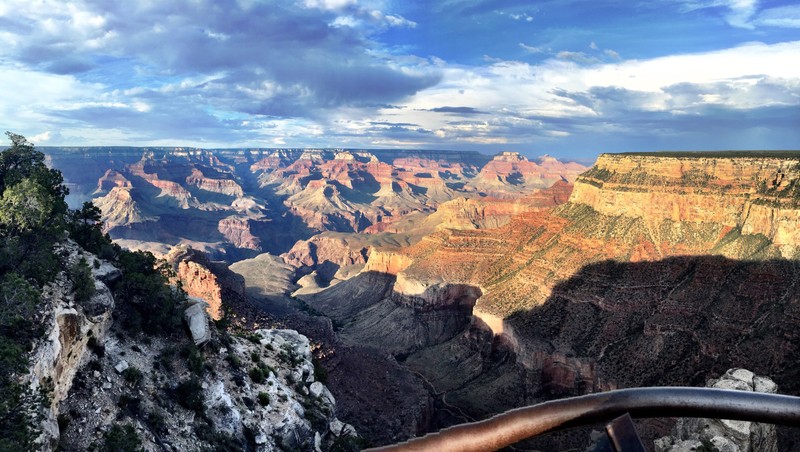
326	253
238	231
68	327
263	389
212	283
510	172
224	186
734	436
119	208
110	180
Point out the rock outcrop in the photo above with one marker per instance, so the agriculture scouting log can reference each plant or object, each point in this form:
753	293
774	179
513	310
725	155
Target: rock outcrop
196	320
69	326
387	262
110	180
725	435
238	231
756	195
327	254
203	279
510	172
266	276
263	393
649	275
227	187
119	208
632	208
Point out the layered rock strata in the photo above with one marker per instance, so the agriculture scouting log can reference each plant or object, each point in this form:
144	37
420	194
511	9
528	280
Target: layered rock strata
213	283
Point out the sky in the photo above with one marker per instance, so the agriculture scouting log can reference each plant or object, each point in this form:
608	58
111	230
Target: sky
570	78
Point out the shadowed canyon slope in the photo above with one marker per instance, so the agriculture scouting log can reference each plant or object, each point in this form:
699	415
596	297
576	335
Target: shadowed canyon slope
629	208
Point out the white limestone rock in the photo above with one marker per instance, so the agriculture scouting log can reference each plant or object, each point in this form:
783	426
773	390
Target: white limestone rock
726	435
197	319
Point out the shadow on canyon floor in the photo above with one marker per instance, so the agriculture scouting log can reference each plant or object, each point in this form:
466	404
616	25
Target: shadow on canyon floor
676	321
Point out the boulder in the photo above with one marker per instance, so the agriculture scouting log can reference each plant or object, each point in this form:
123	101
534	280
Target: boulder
725	435
197	320
121	366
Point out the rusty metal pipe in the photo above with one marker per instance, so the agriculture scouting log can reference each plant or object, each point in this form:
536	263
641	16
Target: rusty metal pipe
515	425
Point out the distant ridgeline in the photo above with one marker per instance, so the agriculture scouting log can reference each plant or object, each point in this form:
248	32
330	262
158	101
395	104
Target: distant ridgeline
718	154
84	165
234	203
131	154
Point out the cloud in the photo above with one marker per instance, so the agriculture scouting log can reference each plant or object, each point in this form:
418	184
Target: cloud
738	12
457	110
329	4
561	99
372	19
308	65
41	137
397	21
578	57
782	16
531	49
364	72
521	16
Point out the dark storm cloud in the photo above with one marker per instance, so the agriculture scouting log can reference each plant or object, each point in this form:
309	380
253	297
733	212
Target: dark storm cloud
179	121
685	109
310	64
743	94
393	124
457	110
69	66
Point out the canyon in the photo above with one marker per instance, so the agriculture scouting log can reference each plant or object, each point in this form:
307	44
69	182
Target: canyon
446	287
237	203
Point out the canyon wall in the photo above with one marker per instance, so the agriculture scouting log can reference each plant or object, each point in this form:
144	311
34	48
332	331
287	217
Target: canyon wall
684	260
756	195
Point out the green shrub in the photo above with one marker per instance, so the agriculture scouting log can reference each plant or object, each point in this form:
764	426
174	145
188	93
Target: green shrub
121	439
320	373
132	375
258	375
263	398
147	302
234	361
194	359
189	394
157	422
129	404
82	281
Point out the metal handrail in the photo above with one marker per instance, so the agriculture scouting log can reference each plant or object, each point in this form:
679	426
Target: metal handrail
515	425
